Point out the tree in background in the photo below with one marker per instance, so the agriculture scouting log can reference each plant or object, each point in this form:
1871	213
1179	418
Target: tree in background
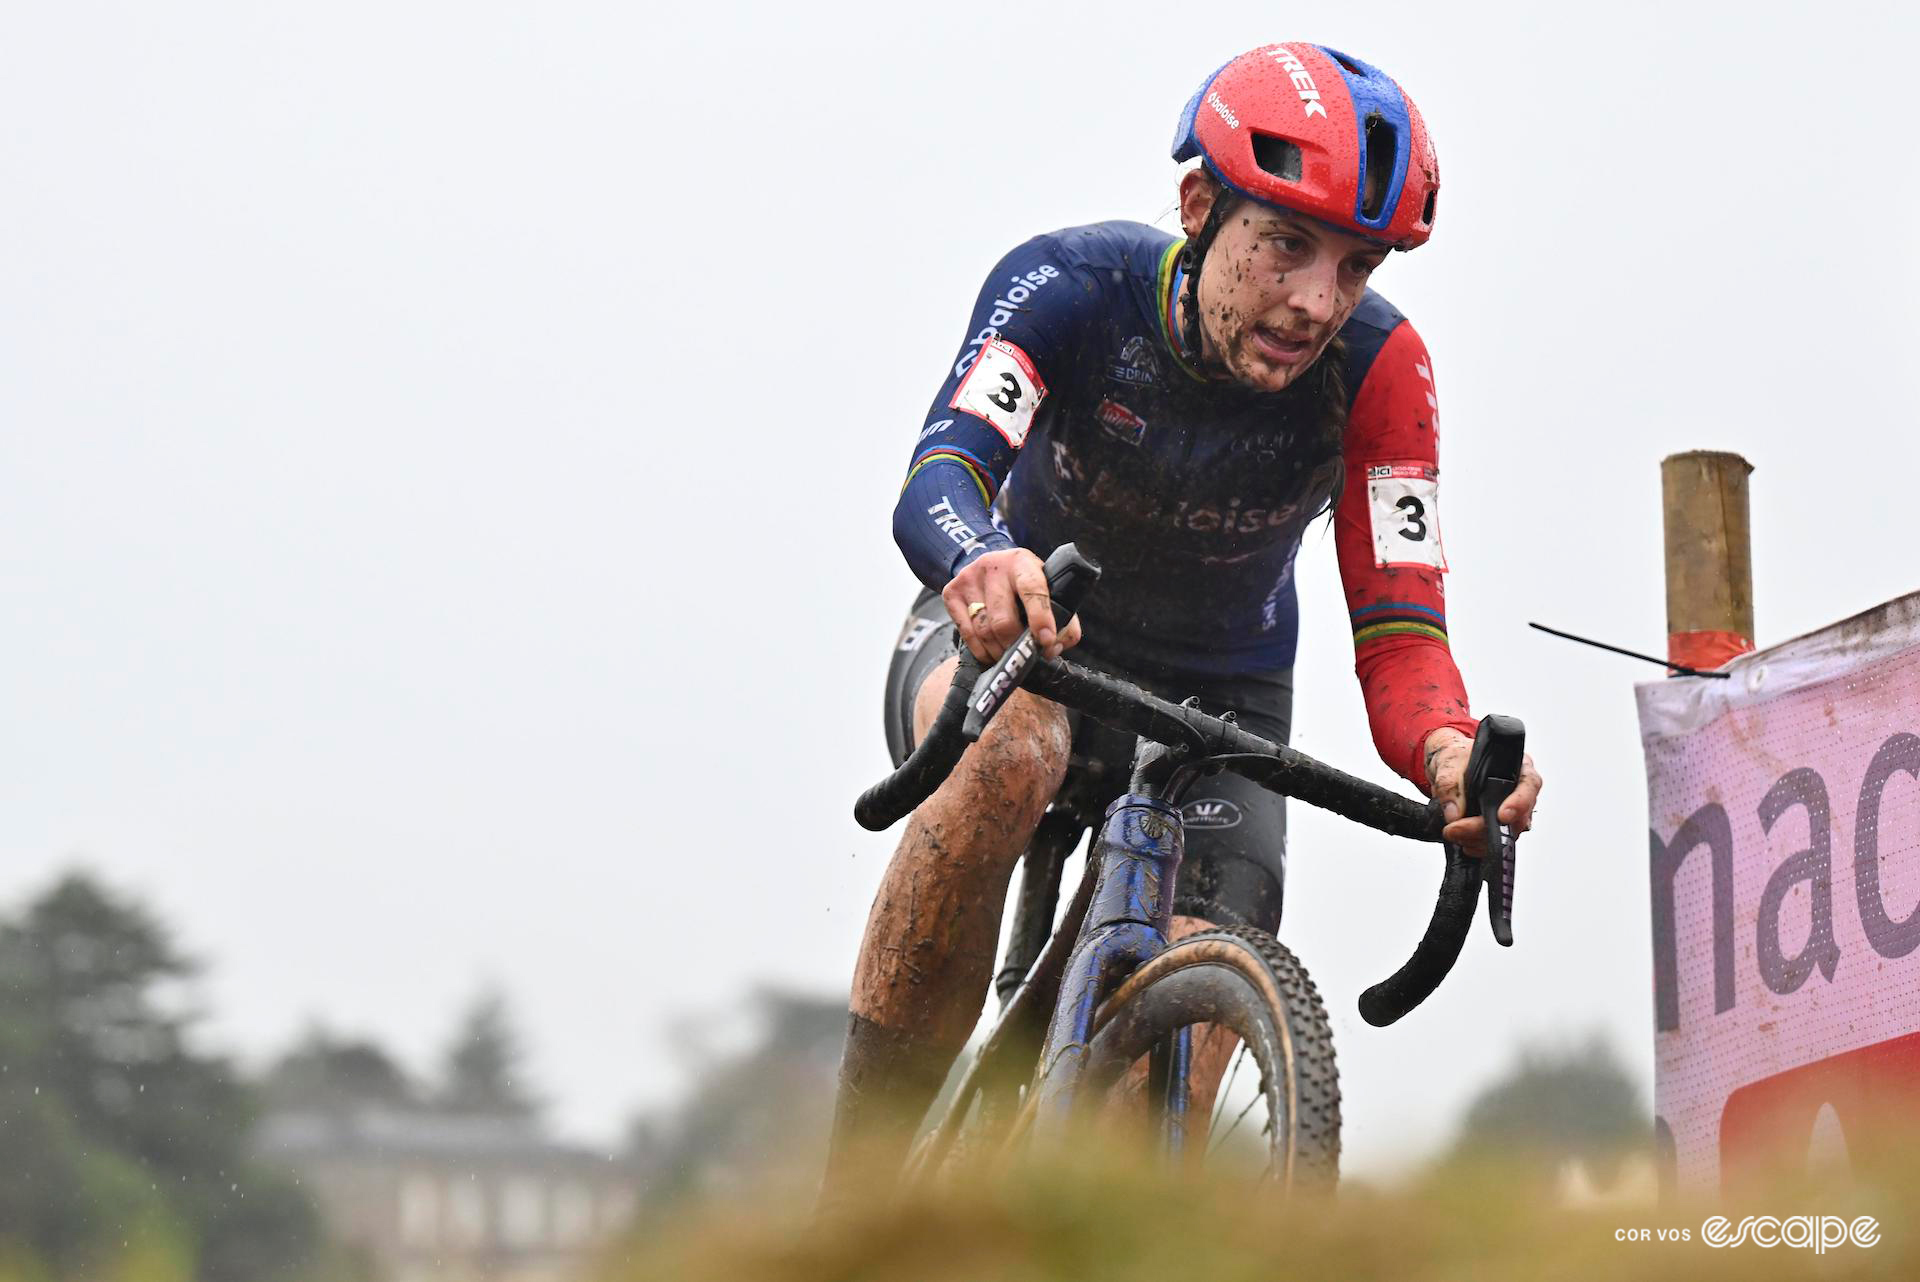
1553	1106
138	1165
482	1070
758	1117
331	1074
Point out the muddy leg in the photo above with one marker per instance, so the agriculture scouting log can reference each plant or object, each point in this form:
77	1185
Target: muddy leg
927	957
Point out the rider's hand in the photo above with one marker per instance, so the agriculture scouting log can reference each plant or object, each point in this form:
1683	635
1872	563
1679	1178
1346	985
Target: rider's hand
1000	579
1446	752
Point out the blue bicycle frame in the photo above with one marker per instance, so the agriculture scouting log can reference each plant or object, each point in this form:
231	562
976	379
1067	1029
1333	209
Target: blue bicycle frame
1126	926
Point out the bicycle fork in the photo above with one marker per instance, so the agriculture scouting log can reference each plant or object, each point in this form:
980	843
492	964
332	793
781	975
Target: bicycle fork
1126	926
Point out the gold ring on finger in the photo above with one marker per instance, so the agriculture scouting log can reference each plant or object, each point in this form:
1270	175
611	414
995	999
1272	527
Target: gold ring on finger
976	609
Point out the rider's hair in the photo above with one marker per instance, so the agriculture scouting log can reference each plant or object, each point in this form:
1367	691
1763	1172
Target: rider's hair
1321	465
1317	462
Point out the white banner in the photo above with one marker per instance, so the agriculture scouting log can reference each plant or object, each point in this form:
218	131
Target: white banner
1785	858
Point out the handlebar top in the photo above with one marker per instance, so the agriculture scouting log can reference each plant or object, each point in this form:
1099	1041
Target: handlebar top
1493	770
1070	576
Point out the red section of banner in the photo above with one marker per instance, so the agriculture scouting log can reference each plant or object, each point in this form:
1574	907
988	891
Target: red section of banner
1705	650
1769	1125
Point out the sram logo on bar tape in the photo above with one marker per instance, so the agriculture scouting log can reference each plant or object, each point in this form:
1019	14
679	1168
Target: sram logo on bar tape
998	683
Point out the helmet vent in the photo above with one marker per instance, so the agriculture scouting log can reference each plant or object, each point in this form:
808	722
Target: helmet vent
1349	64
1277	156
1426	215
1382	146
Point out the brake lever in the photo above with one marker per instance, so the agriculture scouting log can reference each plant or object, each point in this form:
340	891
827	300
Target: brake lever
1070	576
1493	772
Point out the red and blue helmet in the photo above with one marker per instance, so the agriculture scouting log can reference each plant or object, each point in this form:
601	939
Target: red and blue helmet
1313	130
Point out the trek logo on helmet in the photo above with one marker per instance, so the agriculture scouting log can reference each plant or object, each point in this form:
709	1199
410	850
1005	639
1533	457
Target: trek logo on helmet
1361	158
1301	77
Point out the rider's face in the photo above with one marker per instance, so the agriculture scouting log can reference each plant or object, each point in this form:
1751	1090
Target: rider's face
1275	288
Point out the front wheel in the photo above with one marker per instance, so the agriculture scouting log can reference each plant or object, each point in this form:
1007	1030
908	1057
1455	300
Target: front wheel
1246	980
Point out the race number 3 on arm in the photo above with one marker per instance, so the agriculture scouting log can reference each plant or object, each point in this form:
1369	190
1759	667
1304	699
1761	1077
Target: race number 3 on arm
980	418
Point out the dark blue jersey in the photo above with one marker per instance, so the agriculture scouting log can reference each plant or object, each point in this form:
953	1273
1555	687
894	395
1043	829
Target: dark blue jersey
1071	413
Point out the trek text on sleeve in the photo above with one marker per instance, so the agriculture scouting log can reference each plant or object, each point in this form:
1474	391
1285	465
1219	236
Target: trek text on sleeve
980	418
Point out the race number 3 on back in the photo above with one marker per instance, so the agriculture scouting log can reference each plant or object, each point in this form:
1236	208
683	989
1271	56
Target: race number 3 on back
1003	388
1404	499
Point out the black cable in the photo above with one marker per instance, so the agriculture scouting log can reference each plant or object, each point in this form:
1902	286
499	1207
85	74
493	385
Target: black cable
1680	668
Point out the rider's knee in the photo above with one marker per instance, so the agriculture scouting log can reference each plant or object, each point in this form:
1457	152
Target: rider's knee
1027	743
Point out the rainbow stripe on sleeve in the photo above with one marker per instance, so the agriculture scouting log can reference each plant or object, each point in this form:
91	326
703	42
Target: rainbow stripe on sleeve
976	468
1397	619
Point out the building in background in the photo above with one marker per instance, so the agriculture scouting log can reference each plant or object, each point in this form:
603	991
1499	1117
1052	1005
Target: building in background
452	1178
422	1193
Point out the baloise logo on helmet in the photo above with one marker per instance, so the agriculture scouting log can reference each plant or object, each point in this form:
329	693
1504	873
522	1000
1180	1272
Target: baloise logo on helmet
1384	188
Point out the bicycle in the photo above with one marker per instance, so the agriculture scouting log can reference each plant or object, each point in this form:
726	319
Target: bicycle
1111	987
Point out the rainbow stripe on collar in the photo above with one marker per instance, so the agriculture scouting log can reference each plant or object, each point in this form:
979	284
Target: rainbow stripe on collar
1168	287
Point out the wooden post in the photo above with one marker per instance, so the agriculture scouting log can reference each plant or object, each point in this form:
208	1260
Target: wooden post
1709	557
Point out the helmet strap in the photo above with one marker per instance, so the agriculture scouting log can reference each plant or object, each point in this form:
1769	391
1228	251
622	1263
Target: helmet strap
1191	257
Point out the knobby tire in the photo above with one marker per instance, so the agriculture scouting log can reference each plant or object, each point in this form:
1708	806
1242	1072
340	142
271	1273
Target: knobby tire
1247	980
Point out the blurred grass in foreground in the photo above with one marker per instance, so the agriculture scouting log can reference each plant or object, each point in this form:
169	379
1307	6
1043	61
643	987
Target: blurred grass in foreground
1110	1216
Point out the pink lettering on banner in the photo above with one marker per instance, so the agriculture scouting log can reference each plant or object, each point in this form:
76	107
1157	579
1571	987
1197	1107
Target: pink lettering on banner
1785	865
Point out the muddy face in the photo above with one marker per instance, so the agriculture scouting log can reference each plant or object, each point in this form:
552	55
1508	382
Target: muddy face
1275	289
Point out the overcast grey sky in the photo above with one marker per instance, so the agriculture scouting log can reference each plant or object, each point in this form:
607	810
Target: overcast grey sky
448	452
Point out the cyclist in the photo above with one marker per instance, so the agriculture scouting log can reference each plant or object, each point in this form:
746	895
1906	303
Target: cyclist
1183	410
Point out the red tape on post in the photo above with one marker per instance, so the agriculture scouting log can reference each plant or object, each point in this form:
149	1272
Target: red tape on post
1705	650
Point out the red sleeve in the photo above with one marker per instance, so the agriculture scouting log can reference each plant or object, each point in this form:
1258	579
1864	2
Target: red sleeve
1387	533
